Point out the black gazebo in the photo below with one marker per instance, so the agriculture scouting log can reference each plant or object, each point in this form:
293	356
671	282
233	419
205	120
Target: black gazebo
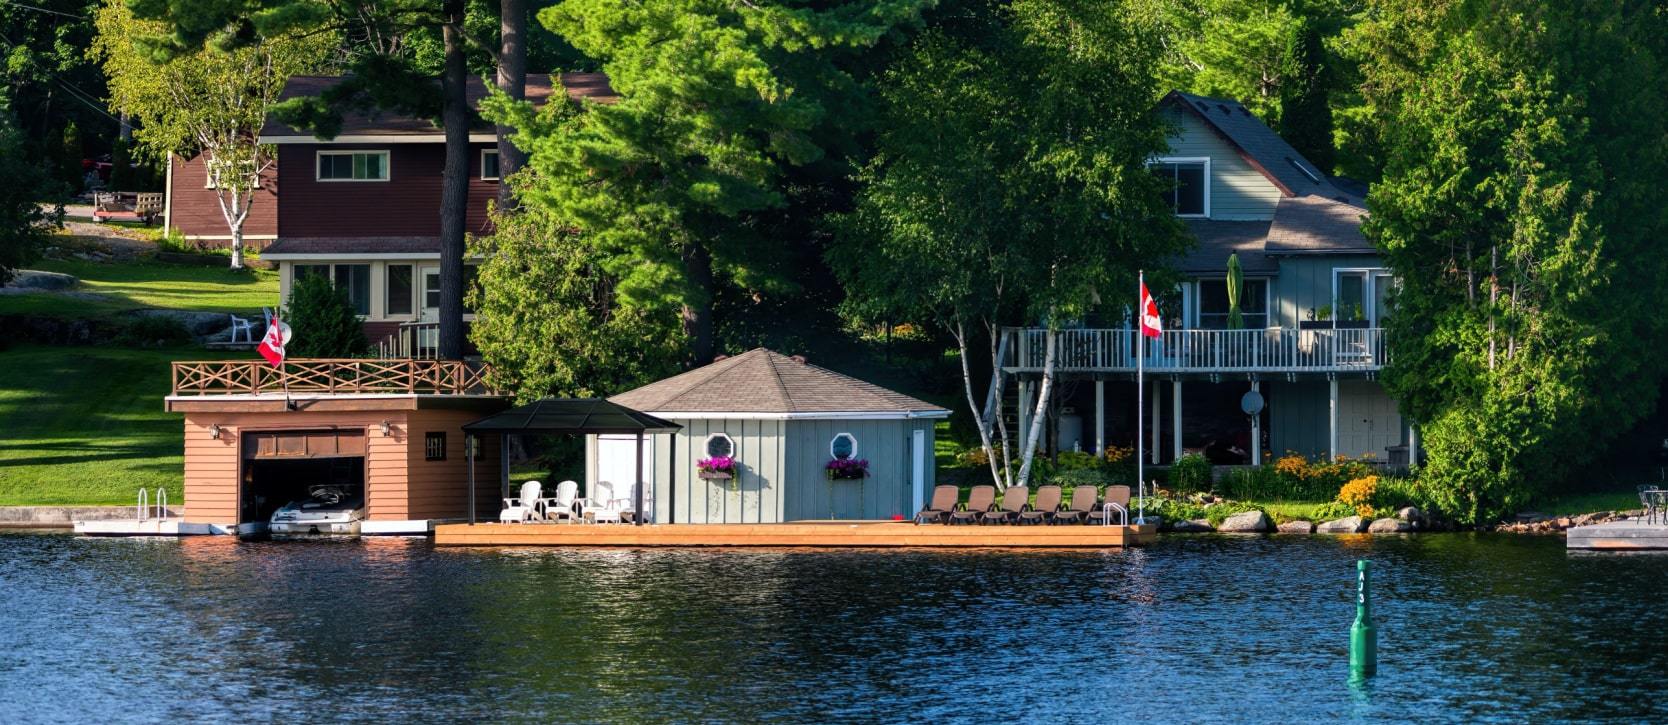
572	416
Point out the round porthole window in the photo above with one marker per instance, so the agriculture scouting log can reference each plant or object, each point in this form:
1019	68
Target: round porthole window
843	446
720	445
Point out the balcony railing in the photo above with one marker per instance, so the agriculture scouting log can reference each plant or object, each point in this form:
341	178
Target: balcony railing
407	377
413	341
1271	350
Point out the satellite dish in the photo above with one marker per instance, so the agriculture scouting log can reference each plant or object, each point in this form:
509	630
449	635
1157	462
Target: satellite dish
1251	403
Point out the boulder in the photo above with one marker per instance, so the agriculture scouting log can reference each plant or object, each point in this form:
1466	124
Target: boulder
1297	527
1409	514
37	280
1389	526
1250	522
1194	526
1345	525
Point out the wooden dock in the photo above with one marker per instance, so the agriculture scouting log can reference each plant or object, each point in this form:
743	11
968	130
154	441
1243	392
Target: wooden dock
1625	535
825	534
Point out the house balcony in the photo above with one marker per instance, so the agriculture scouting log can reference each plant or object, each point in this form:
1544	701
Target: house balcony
1272	352
330	377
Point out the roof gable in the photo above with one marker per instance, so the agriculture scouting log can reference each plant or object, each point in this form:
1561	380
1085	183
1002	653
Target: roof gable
762	381
1257	143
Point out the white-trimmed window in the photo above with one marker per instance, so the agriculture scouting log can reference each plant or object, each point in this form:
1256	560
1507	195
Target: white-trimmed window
1187	180
1212	303
720	444
352	166
353	279
489	164
843	446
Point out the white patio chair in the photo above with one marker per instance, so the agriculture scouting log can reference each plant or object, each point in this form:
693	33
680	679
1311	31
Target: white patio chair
523	508
628	504
244	326
561	507
601	506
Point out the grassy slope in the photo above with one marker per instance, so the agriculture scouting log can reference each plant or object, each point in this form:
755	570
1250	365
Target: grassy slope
131	285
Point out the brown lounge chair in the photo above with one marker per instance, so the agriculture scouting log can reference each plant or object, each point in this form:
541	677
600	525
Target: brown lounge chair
1015	501
979	501
1043	511
1083	500
1115	507
943	504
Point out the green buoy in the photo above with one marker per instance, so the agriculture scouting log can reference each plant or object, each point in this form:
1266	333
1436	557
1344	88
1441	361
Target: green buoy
1363	637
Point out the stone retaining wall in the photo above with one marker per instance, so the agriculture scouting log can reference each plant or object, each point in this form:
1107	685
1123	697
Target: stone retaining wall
64	517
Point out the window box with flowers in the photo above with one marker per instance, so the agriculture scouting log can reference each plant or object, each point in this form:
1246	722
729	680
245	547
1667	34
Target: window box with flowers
716	468
847	469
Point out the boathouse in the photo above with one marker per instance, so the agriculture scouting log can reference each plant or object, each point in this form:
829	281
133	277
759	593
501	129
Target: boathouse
784	422
256	436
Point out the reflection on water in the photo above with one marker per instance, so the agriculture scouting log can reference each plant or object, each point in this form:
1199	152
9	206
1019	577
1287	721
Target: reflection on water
1194	628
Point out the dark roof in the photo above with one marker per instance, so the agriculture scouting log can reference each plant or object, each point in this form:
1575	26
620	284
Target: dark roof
354	245
1263	147
1317	224
1218	239
572	415
590	86
763	381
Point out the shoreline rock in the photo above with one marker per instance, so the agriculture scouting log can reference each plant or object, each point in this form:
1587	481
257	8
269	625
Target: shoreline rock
1297	527
1249	522
1345	525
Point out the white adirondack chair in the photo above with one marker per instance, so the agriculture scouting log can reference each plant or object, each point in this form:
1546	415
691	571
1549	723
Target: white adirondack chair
523	508
601	506
561	507
628	504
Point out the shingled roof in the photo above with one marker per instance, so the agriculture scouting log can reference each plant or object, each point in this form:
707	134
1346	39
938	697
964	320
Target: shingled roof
587	86
762	381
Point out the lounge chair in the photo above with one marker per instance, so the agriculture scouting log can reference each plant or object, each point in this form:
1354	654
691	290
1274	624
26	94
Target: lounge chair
943	504
979	501
523	508
1116	504
1015	501
1043	511
628	504
1083	500
562	506
601	506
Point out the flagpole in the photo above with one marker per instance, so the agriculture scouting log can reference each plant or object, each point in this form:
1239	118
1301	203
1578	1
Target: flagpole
1140	401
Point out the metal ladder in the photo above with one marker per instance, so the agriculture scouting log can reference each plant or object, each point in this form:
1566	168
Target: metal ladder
144	511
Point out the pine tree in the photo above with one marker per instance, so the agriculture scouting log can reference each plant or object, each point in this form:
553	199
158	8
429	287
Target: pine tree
323	322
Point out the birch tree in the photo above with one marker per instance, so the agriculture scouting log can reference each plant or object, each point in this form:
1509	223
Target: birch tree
206	102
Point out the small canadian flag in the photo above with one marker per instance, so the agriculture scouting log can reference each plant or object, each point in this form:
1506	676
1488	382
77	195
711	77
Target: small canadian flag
272	345
1151	324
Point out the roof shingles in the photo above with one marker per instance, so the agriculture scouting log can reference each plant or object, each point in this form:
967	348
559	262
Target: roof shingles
766	382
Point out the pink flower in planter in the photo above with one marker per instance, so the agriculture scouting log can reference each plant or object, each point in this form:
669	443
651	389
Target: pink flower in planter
717	464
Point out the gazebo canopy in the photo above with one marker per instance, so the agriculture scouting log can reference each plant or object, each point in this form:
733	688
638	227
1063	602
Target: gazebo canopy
571	415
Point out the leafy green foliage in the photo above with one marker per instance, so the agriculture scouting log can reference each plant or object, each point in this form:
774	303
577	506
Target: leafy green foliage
1521	209
24	223
1097	477
322	321
1190	474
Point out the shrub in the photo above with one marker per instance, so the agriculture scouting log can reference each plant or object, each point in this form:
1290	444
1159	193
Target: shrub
1190	473
1074	460
1216	513
1358	494
323	321
973	457
1334	510
1074	477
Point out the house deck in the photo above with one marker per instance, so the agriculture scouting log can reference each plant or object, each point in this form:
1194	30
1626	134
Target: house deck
825	534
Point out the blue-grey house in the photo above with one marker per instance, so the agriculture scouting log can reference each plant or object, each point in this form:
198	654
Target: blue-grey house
1314	299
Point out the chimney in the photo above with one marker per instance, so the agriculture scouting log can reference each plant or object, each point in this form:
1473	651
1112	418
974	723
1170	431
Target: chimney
798	359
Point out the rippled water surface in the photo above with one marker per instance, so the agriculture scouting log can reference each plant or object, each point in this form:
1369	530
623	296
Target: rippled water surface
1208	628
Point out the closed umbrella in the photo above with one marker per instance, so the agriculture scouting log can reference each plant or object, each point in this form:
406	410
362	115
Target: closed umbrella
1236	279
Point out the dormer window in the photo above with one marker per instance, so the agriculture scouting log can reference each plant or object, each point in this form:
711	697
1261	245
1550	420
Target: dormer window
1188	184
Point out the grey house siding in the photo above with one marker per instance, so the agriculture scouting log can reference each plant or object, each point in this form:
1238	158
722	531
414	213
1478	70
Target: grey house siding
754	496
886	492
1305	283
1237	191
1299	419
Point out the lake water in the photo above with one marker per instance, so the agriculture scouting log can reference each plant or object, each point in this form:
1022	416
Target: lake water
1210	628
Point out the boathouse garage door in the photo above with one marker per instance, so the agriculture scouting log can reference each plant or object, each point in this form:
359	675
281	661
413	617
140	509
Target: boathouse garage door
284	466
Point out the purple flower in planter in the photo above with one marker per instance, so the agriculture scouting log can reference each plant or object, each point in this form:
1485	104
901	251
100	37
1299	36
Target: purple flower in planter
717	464
847	469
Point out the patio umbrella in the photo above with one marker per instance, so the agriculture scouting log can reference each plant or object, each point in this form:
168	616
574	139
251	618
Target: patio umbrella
1236	279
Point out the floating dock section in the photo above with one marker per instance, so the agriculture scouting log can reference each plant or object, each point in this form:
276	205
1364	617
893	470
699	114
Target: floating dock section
1624	535
823	534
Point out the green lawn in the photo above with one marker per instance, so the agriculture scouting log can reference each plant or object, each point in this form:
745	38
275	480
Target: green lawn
1586	503
85	425
131	285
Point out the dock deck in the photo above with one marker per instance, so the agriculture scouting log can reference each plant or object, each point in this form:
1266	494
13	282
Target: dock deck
826	534
1624	535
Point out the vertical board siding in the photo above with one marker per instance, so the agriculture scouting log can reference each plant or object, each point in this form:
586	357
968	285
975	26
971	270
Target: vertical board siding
406	205
1237	190
194	209
1297	418
1305	283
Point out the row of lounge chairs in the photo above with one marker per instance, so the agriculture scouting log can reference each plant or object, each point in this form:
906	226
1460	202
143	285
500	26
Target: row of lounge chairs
981	507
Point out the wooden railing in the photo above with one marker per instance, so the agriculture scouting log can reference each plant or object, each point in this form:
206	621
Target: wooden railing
413	341
407	377
1274	349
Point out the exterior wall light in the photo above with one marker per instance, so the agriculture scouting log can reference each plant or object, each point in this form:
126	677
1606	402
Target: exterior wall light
387	429
214	431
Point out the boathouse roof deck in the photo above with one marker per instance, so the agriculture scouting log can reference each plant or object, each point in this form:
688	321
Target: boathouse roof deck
331	377
1340	351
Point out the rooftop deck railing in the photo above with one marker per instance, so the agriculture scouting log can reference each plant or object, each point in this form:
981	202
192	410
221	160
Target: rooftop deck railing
1270	350
342	377
413	340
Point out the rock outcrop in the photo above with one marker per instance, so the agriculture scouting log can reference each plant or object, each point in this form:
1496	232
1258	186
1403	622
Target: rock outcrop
1250	522
1346	525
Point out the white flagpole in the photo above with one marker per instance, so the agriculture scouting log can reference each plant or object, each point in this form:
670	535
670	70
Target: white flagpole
1140	393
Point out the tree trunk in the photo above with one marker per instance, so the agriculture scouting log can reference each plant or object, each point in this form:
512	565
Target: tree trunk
981	416
512	80
237	247
1039	418
454	187
697	312
997	384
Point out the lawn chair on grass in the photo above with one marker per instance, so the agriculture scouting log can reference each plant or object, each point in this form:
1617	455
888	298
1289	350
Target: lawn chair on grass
526	507
1015	501
979	501
943	504
1043	511
1117	503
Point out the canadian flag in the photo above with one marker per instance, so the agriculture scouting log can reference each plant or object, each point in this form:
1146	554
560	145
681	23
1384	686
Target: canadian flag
272	345
1151	324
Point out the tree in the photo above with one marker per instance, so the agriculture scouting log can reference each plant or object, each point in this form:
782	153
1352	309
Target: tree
323	321
1520	208
670	185
512	82
1010	184
24	222
202	101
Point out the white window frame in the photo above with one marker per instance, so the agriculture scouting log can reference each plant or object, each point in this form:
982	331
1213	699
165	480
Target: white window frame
494	152
836	437
1369	300
1189	160
706	446
1268	298
387	167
